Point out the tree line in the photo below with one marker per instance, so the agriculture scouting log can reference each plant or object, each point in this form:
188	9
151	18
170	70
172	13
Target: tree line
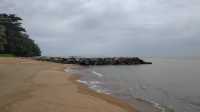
14	39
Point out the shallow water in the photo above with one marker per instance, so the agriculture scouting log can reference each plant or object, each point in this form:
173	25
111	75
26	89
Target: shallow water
169	82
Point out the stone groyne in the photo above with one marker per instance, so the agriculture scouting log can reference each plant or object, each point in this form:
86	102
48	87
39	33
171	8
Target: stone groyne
94	61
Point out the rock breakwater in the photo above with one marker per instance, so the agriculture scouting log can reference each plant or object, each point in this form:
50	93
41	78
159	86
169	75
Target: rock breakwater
95	61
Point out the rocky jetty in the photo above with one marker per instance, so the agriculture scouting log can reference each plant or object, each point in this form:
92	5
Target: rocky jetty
95	61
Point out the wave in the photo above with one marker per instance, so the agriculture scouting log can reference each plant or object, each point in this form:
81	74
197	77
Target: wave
70	70
95	85
97	73
99	88
95	82
82	82
67	70
156	105
195	101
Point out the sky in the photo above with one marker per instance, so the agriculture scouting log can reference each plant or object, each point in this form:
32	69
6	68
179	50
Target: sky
111	27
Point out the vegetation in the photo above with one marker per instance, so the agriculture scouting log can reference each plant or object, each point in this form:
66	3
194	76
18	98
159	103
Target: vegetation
7	55
13	37
2	38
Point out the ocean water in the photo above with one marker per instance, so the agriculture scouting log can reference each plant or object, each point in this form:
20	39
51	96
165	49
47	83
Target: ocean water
169	83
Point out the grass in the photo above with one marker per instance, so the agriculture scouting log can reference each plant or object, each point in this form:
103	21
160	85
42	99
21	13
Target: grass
7	55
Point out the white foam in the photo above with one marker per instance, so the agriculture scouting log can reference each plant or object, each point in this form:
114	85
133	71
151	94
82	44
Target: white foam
97	74
98	88
82	82
67	70
95	82
93	86
155	104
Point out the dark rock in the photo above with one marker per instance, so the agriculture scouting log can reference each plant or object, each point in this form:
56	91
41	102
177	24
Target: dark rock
95	61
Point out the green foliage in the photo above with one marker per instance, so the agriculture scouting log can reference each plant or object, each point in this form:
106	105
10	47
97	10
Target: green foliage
2	38
13	37
7	55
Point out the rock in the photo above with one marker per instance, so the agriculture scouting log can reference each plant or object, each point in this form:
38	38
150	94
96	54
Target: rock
95	61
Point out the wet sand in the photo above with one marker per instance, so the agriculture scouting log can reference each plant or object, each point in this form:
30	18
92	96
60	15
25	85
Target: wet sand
34	86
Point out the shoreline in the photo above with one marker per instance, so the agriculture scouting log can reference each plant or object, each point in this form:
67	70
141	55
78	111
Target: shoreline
83	89
29	85
143	105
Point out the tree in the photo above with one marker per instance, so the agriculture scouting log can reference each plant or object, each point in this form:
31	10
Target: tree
25	48
14	39
2	38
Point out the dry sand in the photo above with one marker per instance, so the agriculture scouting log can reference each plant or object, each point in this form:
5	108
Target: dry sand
33	86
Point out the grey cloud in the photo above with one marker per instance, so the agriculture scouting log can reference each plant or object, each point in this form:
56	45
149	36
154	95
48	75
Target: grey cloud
111	27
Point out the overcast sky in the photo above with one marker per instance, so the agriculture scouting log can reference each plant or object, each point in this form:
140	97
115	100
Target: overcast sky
111	27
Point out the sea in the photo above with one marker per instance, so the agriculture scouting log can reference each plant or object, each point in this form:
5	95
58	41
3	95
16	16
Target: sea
167	85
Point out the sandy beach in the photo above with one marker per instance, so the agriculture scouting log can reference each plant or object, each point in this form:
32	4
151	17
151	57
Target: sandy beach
35	86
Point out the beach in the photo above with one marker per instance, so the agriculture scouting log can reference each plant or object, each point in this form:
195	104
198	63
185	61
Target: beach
35	86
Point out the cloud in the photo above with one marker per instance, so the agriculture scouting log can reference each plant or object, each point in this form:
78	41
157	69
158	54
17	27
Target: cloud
111	27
